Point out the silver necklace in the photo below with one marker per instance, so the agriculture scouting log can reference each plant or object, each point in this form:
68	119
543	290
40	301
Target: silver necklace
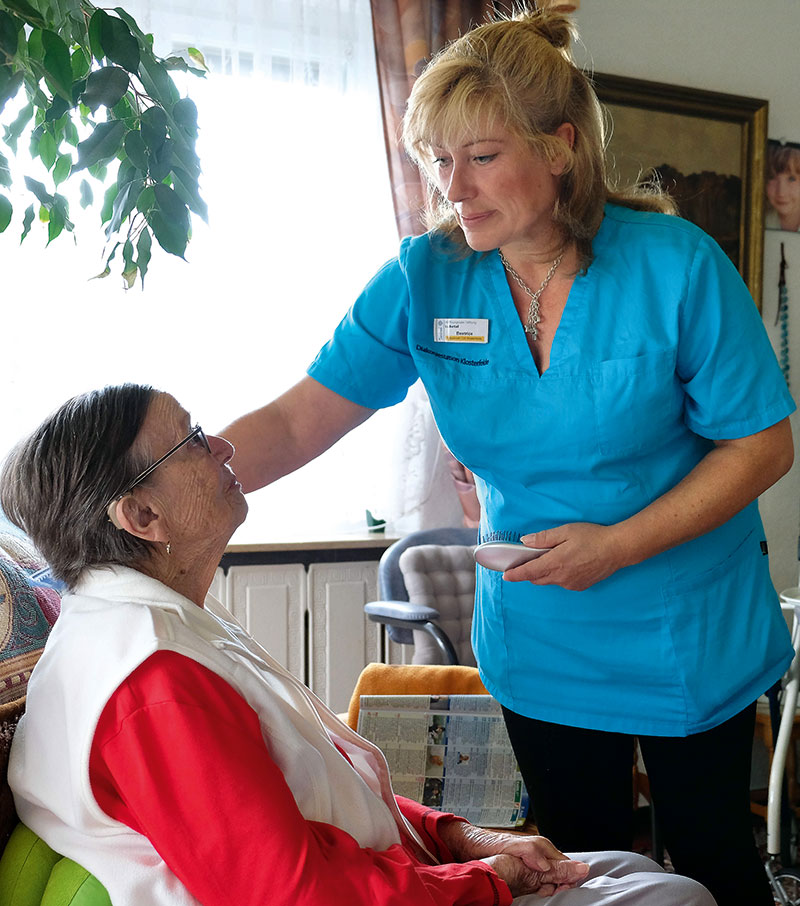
533	308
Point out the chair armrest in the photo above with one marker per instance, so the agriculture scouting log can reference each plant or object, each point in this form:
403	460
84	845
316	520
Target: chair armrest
401	618
381	611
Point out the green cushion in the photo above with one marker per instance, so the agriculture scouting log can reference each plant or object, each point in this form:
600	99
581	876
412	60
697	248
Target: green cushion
32	874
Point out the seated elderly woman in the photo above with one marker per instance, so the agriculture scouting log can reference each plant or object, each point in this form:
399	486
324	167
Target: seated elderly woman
169	754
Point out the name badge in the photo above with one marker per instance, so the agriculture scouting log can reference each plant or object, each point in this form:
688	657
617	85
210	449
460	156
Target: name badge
461	330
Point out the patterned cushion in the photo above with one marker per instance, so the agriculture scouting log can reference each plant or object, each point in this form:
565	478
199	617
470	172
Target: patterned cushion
28	609
442	576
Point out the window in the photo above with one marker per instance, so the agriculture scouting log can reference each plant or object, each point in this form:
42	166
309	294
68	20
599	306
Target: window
294	175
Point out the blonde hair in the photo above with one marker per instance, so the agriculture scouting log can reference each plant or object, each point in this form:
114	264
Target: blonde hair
518	71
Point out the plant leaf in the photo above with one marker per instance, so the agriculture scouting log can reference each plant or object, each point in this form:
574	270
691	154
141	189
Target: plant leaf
9	84
136	150
62	168
124	203
6	210
161	161
95	33
71	133
146	201
101	145
87	196
143	247
9	35
35	45
154	128
169	220
57	64
27	220
47	150
80	64
196	57
157	82
169	203
57	109
170	237
40	191
5	172
177	64
187	190
119	44
105	87
108	202
127	255
55	225
26	11
185	114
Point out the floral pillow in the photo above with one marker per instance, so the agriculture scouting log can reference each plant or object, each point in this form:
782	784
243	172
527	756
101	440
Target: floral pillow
29	606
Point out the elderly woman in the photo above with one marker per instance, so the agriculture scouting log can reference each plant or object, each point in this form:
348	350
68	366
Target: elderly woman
166	751
600	367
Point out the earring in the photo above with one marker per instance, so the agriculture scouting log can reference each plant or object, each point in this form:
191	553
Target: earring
169	548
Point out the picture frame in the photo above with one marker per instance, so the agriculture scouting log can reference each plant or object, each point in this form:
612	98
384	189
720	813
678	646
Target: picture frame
709	151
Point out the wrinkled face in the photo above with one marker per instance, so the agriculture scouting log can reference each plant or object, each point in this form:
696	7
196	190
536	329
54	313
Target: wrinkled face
783	192
196	491
502	192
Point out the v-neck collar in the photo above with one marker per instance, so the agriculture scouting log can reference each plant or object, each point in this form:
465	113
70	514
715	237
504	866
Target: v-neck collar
506	316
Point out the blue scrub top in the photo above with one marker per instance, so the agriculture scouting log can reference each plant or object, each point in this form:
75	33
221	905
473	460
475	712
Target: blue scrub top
660	351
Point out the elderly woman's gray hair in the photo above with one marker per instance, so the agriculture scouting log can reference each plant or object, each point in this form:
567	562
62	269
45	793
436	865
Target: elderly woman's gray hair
57	484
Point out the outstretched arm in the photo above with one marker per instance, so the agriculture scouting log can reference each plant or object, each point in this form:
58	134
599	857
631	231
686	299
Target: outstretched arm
289	432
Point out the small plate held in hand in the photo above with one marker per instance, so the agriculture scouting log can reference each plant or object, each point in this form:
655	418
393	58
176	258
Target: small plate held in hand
503	555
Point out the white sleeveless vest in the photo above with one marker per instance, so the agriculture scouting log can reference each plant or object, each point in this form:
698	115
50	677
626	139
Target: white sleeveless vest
118	617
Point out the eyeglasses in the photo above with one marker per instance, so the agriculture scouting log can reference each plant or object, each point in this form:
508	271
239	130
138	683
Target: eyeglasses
197	431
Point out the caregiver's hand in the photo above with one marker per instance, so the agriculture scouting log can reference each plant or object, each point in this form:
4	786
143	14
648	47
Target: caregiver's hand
581	554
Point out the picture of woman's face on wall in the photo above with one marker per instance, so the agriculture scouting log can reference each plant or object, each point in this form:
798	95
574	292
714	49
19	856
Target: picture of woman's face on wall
783	186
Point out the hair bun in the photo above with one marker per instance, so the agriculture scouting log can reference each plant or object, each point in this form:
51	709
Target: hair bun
554	27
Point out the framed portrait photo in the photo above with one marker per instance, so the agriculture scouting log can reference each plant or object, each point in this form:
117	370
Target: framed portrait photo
783	186
706	148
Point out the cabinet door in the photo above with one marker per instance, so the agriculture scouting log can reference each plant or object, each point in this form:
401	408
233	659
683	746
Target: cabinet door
342	641
219	587
270	602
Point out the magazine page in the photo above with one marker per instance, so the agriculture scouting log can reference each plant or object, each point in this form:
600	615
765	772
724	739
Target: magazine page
450	752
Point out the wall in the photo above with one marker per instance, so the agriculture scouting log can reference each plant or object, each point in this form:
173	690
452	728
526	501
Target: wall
738	47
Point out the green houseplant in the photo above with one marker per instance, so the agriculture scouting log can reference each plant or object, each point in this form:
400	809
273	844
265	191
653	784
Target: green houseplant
83	86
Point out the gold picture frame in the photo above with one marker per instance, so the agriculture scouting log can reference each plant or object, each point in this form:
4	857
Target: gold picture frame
708	149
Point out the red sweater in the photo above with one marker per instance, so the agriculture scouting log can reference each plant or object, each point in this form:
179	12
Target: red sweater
179	757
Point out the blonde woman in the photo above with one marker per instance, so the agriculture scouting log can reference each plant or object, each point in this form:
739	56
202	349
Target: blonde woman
599	366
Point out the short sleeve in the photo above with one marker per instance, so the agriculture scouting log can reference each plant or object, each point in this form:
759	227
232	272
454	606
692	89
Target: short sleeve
733	383
368	360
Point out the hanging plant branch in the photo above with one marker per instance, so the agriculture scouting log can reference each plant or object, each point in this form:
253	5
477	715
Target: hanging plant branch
96	94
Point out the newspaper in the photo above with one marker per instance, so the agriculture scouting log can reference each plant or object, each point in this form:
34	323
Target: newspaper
450	752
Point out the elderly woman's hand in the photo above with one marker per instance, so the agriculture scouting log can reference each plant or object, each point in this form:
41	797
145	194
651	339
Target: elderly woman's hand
528	864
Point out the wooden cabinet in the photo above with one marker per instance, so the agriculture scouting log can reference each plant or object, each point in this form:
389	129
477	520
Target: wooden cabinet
309	614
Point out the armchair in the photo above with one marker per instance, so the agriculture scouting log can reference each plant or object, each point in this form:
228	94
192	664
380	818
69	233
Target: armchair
427	586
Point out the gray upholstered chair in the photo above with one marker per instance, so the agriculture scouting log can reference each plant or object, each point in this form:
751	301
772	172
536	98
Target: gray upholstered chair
427	586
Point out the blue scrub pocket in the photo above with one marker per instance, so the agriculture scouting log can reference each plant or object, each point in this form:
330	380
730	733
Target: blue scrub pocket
637	403
729	635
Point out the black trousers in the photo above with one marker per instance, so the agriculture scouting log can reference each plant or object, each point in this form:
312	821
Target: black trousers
580	785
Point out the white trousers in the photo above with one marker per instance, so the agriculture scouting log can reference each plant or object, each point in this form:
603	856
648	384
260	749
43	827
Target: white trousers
625	879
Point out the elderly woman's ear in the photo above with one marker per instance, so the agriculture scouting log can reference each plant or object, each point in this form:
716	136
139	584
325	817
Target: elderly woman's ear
138	518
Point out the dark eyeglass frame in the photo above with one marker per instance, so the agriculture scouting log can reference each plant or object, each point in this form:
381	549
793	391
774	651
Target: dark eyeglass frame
197	431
